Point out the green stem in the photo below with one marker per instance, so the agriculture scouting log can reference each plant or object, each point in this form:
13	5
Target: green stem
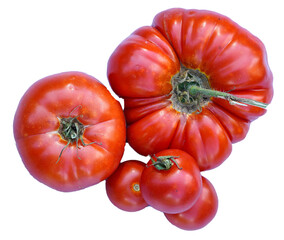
196	90
71	130
164	162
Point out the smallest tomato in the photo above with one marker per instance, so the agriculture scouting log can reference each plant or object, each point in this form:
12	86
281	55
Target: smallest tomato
202	212
123	186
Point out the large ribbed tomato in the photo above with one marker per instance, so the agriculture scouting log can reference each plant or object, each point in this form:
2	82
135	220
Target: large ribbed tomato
70	131
166	74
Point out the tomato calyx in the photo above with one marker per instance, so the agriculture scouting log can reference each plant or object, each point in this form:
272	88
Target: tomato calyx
164	162
182	99
191	91
72	130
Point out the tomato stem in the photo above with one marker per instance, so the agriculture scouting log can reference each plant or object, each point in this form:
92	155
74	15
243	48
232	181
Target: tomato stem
72	130
195	90
164	162
192	91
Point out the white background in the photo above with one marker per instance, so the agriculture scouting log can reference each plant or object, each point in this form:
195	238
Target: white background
40	38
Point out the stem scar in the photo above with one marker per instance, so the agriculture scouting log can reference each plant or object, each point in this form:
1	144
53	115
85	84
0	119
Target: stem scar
72	130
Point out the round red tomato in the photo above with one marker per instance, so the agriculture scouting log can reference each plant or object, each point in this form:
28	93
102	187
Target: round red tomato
171	181
201	213
69	131
175	77
123	186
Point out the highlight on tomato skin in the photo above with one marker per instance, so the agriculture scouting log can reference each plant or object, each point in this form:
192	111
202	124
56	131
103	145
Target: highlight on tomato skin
69	131
165	72
123	186
201	213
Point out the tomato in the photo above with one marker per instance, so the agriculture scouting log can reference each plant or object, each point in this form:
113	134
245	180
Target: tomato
69	131
194	81
201	213
171	181
123	186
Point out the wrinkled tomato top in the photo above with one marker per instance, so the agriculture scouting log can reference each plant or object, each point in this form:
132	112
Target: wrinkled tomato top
142	67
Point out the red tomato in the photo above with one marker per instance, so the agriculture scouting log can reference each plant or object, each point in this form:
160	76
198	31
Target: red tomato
158	71
201	213
123	186
69	131
173	183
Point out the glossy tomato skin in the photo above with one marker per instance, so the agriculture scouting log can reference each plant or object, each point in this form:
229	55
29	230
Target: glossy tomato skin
174	190
201	213
142	67
128	65
36	131
123	186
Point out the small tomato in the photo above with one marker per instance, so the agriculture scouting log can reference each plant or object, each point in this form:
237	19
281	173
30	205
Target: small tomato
123	186
171	181
201	213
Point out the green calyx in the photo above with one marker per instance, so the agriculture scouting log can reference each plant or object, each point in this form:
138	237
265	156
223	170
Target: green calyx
72	130
164	162
182	99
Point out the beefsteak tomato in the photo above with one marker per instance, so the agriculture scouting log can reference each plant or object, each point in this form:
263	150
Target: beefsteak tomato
175	77
69	131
